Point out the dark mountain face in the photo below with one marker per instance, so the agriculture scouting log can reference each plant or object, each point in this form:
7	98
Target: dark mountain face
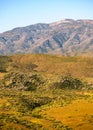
68	37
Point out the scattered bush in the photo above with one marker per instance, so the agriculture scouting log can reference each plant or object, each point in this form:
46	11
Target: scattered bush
6	120
59	126
22	81
69	82
33	102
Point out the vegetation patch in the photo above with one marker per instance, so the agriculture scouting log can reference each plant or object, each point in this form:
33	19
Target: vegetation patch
22	81
69	82
45	92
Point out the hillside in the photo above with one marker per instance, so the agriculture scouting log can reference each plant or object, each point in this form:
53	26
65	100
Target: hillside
55	65
48	64
67	37
46	92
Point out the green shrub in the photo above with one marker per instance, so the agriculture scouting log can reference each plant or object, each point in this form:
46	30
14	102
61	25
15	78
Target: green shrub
22	81
69	82
33	102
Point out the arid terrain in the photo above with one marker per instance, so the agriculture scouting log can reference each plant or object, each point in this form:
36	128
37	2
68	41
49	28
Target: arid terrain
46	92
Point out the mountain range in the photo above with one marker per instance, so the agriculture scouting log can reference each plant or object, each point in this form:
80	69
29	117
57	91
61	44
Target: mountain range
65	37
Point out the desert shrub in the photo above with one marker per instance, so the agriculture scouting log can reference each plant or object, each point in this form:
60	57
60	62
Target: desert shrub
33	102
68	82
22	81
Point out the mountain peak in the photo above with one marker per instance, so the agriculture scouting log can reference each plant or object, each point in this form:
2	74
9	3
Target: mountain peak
61	21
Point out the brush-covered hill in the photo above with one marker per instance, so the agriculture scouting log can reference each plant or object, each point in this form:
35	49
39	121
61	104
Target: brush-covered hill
48	65
46	92
68	37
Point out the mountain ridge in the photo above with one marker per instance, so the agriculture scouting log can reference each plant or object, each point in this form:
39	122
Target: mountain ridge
66	37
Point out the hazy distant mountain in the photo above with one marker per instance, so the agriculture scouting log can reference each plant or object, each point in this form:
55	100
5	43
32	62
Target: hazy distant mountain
70	37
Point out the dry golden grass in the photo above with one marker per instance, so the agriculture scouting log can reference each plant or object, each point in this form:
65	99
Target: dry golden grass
46	123
89	80
48	65
78	115
14	126
2	75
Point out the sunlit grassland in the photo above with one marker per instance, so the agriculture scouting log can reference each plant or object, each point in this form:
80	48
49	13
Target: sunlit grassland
68	109
47	107
78	114
54	65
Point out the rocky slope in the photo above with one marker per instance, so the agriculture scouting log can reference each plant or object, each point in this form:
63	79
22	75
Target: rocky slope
68	37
